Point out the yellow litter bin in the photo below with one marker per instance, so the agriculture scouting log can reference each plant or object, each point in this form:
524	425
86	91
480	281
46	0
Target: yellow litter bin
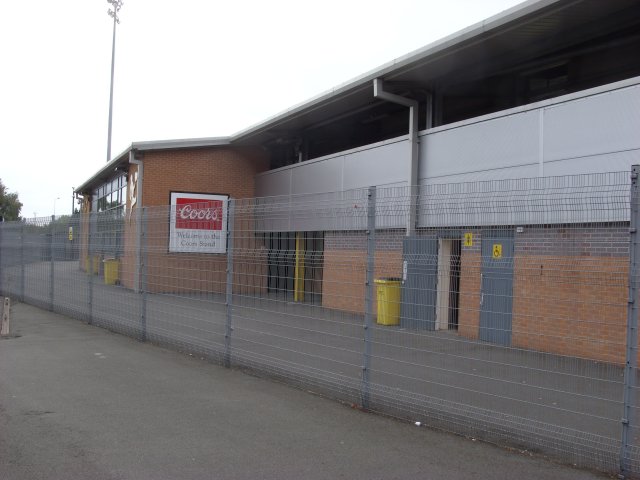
388	301
111	271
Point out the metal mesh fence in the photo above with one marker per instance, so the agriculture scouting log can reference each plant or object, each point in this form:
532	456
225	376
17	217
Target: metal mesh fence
502	312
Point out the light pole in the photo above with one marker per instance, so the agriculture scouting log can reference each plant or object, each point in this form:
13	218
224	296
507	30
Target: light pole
116	6
54	206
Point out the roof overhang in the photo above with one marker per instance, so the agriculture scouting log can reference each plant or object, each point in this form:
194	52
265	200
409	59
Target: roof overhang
532	28
122	159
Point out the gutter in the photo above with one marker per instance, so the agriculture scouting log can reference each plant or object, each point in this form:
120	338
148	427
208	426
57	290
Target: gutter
412	178
405	62
136	196
120	159
105	171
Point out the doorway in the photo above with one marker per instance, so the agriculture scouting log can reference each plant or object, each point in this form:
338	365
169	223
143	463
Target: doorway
280	260
448	295
295	266
430	283
496	287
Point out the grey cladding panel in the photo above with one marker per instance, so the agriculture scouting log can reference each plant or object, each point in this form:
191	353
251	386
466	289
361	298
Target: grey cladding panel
493	144
273	183
525	171
604	123
316	177
381	165
606	162
315	212
377	166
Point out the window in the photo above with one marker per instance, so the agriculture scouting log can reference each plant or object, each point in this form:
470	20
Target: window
111	196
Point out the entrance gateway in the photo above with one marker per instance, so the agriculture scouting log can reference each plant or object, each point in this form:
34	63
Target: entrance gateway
295	265
430	283
496	287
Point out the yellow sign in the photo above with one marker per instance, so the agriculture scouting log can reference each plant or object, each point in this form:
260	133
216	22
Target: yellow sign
70	233
497	250
468	239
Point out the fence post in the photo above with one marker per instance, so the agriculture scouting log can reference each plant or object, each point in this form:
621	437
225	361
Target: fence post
1	255
22	239
51	263
631	363
143	272
229	289
368	296
90	265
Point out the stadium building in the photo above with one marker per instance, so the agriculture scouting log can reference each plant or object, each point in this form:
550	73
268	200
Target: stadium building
548	88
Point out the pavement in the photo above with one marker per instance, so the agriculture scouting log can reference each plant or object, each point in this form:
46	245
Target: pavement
79	402
557	405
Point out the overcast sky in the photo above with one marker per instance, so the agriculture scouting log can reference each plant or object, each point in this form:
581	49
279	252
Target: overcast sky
184	69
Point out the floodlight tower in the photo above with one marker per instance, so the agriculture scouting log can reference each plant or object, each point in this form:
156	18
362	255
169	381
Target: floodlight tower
116	5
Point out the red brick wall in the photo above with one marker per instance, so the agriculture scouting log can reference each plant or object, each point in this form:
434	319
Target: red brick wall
574	306
569	291
570	304
563	304
223	170
344	271
218	170
469	297
343	280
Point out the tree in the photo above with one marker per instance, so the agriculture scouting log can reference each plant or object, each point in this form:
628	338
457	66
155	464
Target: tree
10	206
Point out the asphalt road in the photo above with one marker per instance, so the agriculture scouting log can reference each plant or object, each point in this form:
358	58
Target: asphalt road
78	402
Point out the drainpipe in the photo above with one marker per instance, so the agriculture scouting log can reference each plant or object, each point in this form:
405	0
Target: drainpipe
378	92
138	163
138	197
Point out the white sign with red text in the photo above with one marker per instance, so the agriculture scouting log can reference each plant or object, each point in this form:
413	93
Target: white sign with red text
198	223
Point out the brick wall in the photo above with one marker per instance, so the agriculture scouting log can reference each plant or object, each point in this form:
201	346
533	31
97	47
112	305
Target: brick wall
469	293
573	306
344	274
218	170
570	291
569	286
469	297
223	170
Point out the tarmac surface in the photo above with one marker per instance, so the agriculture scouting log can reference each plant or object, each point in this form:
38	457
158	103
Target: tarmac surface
79	402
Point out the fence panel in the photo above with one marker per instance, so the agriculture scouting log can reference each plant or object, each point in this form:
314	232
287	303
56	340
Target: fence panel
114	303
35	262
503	315
282	288
70	282
511	326
184	291
10	258
630	448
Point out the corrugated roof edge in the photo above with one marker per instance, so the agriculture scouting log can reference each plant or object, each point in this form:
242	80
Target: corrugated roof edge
496	21
518	11
153	145
181	143
109	166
